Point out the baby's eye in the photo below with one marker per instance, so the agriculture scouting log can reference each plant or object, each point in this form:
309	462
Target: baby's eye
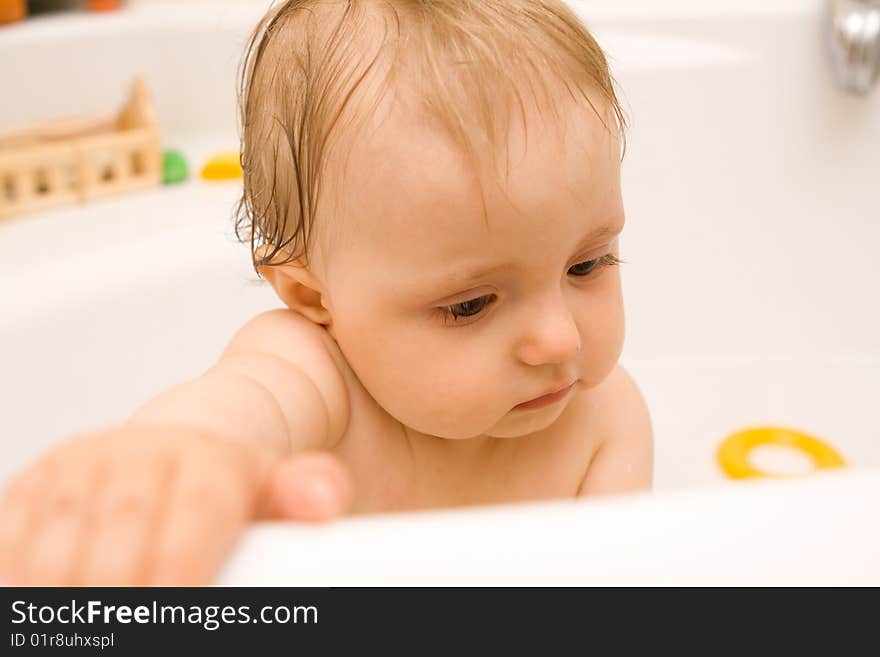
473	307
585	268
468	308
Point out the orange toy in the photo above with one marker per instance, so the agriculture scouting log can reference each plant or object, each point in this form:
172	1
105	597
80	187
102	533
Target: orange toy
12	10
103	5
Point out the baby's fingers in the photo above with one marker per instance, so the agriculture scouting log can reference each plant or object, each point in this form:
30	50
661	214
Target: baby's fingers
126	518
207	508
18	522
310	486
62	523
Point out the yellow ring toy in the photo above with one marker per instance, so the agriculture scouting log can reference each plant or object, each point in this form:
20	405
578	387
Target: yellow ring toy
734	451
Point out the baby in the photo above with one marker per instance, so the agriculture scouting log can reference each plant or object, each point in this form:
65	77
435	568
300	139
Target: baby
432	188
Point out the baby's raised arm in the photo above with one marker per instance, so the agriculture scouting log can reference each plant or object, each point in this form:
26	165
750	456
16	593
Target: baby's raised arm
275	384
161	498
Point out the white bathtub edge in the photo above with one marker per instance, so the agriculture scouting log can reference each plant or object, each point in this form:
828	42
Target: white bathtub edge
819	530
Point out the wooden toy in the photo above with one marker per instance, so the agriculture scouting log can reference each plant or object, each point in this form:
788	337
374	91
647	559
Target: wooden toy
65	161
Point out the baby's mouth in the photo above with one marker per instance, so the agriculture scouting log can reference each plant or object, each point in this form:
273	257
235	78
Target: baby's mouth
546	400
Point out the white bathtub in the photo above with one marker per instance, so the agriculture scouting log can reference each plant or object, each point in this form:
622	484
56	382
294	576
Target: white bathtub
751	294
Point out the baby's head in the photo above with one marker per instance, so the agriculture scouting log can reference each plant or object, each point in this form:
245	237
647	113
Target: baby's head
438	183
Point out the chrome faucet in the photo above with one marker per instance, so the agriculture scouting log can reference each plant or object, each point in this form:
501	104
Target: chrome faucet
854	38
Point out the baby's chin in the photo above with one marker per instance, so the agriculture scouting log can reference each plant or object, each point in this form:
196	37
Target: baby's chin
514	424
517	424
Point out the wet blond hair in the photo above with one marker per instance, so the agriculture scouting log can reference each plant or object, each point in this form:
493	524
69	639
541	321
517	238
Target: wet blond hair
315	67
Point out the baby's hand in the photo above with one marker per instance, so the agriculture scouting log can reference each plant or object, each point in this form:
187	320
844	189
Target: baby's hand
153	506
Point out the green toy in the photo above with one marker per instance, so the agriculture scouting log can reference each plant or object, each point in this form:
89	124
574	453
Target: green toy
174	169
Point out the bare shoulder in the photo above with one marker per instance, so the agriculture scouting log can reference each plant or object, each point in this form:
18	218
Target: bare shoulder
625	456
296	340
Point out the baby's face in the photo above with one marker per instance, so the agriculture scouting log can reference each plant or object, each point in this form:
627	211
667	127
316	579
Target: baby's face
450	320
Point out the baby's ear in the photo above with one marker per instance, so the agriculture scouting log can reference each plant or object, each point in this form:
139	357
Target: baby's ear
298	288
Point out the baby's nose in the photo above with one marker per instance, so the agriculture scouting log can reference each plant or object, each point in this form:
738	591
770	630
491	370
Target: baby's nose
552	337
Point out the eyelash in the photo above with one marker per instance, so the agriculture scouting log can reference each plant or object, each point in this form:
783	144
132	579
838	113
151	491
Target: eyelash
597	264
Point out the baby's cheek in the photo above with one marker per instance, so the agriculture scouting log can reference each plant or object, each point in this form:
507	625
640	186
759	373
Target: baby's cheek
602	364
446	395
437	382
602	330
420	383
